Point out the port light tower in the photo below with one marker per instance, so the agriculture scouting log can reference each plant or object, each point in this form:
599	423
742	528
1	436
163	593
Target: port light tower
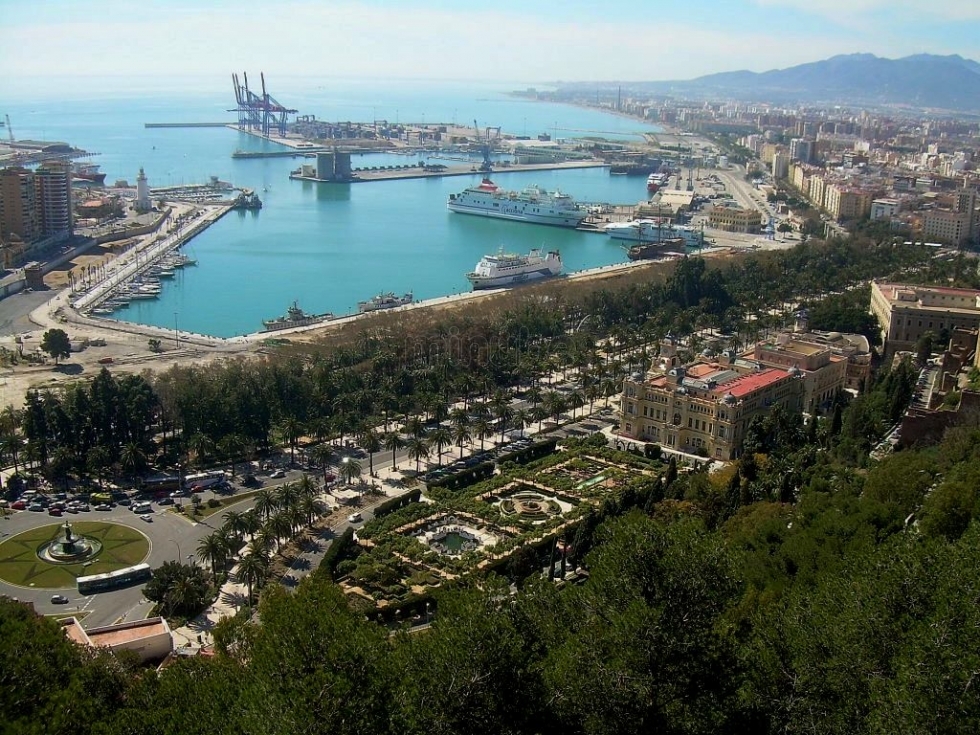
258	113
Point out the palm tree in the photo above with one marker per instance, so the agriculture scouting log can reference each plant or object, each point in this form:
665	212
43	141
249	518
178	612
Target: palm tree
281	526
311	508
306	486
265	503
503	413
202	446
233	523
350	469
231	447
214	551
252	570
290	430
418	449
575	401
251	523
483	429
441	437
132	458
458	417
539	413
287	496
415	426
555	404
461	435
370	443
521	419
10	445
393	441
322	455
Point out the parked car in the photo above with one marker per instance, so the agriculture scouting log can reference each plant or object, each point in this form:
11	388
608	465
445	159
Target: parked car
103	506
354	518
165	501
59	600
36	507
54	512
19	505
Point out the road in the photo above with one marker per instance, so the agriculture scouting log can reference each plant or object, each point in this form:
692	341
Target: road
172	537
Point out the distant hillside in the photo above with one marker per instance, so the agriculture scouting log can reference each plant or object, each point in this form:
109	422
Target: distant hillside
922	81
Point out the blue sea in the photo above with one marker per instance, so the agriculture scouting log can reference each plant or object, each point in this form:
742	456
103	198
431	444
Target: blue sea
327	246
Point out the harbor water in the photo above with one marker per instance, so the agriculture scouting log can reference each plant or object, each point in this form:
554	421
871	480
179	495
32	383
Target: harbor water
328	246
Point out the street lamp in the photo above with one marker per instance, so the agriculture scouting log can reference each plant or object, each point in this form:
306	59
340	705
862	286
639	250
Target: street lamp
176	333
177	544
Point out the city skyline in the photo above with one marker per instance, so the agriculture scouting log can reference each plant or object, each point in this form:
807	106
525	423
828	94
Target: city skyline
622	40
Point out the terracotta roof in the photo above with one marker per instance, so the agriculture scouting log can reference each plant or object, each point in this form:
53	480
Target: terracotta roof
746	384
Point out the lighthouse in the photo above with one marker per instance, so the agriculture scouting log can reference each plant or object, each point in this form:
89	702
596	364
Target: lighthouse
142	192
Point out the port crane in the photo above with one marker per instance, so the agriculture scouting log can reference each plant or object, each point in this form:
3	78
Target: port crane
484	141
10	130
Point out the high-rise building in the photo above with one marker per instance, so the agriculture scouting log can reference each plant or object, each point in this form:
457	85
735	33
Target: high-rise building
52	183
18	214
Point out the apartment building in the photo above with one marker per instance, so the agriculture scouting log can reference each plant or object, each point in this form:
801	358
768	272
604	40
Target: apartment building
906	312
843	202
35	210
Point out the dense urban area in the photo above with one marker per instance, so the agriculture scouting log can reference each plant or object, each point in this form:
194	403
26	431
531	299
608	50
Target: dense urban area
736	491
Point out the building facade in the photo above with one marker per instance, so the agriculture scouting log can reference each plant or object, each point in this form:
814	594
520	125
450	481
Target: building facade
704	408
735	219
907	312
823	373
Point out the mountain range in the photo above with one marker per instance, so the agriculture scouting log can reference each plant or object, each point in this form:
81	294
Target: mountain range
922	81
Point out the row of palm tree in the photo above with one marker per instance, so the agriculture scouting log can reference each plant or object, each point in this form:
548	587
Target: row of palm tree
278	514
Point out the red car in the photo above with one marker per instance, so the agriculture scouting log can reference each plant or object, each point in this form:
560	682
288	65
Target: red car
19	505
54	512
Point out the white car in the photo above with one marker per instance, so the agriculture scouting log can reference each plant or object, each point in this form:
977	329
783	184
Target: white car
354	518
277	474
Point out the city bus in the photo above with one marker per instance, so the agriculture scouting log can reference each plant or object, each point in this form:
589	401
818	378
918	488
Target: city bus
111	580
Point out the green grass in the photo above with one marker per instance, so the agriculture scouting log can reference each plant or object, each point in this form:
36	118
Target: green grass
19	563
204	511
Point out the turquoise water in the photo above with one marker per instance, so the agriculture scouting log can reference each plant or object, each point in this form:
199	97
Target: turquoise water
329	246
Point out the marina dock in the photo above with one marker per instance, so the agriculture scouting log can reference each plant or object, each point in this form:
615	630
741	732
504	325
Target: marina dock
188	125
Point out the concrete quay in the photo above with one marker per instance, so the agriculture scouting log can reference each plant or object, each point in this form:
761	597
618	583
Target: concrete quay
415	173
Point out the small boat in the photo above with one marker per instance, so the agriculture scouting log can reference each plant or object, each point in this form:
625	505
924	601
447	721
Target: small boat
386	300
294	317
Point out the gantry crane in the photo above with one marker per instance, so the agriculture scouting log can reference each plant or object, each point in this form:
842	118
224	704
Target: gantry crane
484	141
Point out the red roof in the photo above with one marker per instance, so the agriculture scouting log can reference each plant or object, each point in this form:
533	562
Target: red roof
746	384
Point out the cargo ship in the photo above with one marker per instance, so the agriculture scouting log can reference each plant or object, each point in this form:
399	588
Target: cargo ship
87	172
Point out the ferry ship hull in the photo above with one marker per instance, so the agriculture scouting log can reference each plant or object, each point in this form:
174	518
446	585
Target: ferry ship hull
479	282
517	214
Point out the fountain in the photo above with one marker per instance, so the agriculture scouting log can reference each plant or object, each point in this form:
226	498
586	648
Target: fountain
69	548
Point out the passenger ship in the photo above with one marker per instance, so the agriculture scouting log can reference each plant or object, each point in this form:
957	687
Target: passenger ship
532	204
511	269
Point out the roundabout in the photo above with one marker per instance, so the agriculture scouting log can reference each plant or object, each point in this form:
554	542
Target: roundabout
54	555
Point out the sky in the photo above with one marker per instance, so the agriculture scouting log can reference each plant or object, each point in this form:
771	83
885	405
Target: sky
46	45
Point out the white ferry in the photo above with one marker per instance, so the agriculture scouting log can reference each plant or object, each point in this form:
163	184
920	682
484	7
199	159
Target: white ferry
510	269
652	230
533	204
385	301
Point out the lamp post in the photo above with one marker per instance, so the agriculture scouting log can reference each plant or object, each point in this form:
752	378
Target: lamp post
176	333
177	544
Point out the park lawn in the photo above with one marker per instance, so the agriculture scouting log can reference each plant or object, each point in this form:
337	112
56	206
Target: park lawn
204	511
122	546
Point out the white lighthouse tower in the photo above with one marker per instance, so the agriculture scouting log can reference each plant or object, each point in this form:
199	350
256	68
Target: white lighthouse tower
142	192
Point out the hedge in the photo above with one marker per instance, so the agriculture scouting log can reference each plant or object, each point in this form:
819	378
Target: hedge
389	506
465	478
335	554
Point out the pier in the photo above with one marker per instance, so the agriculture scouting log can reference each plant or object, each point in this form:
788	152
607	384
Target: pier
361	175
188	125
143	258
